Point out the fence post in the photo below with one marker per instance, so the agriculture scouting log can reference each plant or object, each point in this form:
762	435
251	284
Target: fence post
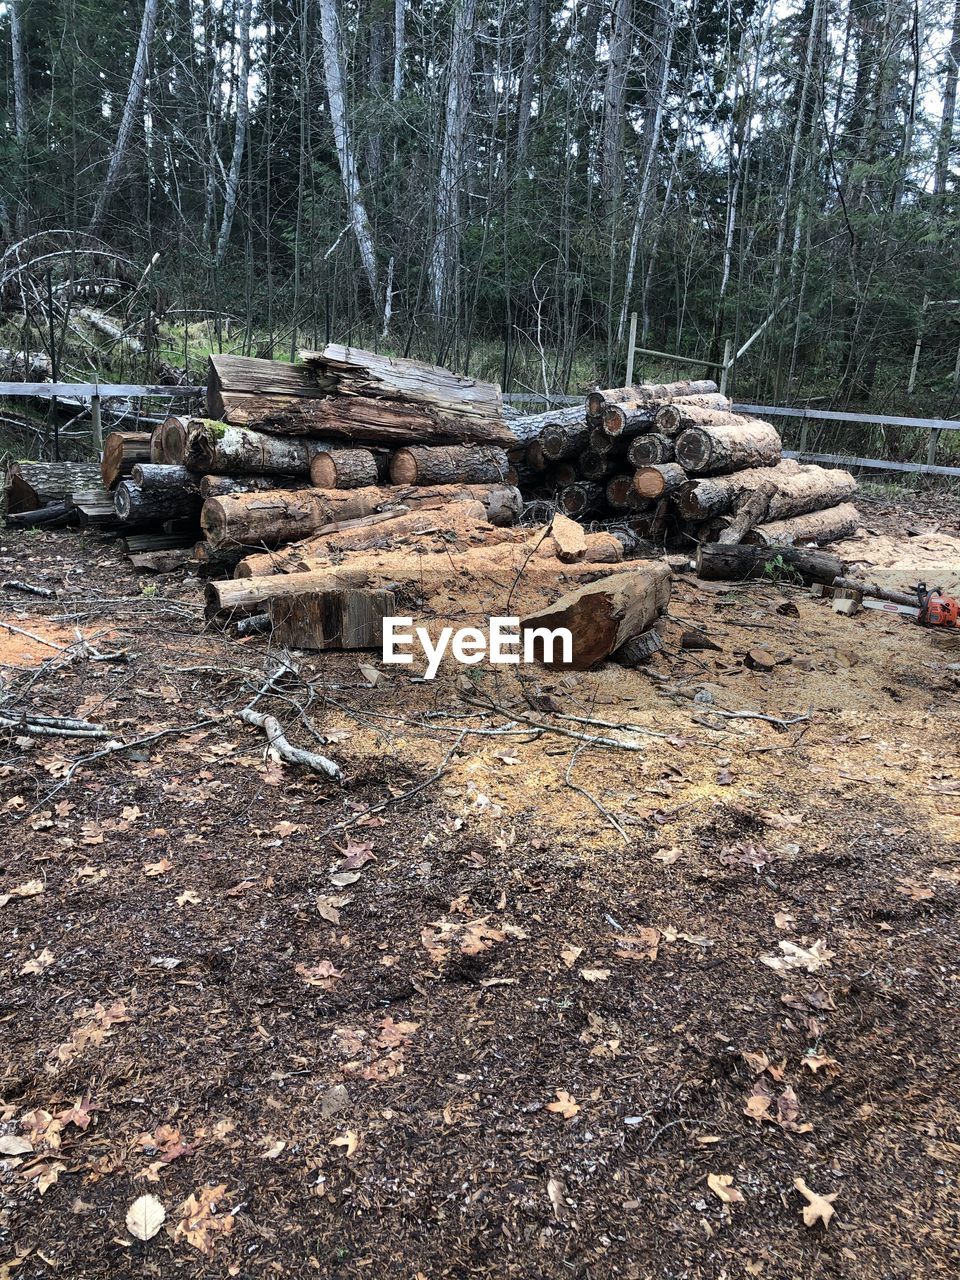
96	427
933	439
727	350
804	434
631	349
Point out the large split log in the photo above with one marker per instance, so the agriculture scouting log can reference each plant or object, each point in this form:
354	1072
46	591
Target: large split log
349	468
728	446
121	450
155	477
650	449
28	486
602	616
214	446
821	527
741	563
451	464
266	519
168	443
220	486
812	488
645	392
345	618
660	481
246	375
135	506
711	496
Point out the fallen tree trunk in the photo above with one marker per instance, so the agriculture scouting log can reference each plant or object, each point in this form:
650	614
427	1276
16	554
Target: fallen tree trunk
28	486
134	506
650	449
601	616
267	519
50	514
168	443
346	618
219	486
349	468
121	450
212	446
155	477
728	446
660	481
742	563
452	464
711	496
820	527
751	512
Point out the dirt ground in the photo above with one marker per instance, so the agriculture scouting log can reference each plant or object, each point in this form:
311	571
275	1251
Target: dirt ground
572	975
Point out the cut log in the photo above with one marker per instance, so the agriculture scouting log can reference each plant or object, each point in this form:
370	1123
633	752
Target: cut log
209	559
621	495
155	477
599	548
621	422
580	499
528	426
168	444
267	519
536	458
650	449
136	543
28	486
50	515
728	446
821	527
596	466
602	616
712	496
639	649
453	464
741	563
349	468
561	441
134	506
660	481
810	489
561	475
349	618
569	537
167	561
214	446
645	392
250	376
751	511
219	486
121	450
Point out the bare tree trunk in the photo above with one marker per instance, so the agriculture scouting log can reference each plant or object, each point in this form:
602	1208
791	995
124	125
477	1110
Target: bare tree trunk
446	233
399	38
333	74
531	61
20	103
128	120
949	107
240	137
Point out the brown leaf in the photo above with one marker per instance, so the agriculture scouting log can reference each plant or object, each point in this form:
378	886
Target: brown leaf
39	962
349	1141
200	1224
145	1217
818	1208
570	955
721	1184
595	975
565	1105
158	868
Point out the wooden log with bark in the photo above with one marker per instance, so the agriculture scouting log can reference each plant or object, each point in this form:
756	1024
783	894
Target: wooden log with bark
712	449
712	496
601	616
155	477
742	562
247	375
216	447
644	393
660	481
812	488
751	511
620	493
219	486
29	486
536	458
344	618
650	449
821	527
121	451
451	464
278	516
596	466
561	441
559	476
581	498
691	411
528	427
349	468
134	505
168	443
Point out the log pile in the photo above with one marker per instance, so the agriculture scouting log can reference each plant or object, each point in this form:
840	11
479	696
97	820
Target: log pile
676	465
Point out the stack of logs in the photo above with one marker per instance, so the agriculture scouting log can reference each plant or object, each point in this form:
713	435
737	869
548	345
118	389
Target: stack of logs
678	465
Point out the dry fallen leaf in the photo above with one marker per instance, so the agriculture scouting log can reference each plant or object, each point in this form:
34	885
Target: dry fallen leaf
721	1184
349	1141
39	962
145	1217
200	1223
189	898
11	1145
818	1208
158	868
821	1062
565	1105
570	955
28	890
594	975
273	1148
811	959
557	1191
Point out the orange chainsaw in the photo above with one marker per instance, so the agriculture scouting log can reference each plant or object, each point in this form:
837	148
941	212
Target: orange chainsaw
934	609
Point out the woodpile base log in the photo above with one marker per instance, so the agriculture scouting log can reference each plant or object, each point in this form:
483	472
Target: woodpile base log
349	468
134	505
711	496
453	464
154	477
821	527
728	446
601	616
740	563
660	481
650	449
121	450
215	447
220	486
168	443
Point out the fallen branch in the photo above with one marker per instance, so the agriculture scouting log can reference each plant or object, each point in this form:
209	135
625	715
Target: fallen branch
28	588
295	755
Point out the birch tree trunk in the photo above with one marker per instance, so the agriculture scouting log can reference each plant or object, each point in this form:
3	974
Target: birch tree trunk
333	75
128	120
20	104
949	107
614	92
443	261
399	39
240	136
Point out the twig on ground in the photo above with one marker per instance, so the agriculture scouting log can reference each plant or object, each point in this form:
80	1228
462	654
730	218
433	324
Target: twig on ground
295	755
574	786
28	588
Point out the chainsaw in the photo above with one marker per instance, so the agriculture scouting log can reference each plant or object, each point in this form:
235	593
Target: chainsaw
931	608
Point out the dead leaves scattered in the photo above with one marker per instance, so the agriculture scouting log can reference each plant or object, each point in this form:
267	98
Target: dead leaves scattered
200	1224
818	1208
809	959
565	1105
721	1184
323	974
